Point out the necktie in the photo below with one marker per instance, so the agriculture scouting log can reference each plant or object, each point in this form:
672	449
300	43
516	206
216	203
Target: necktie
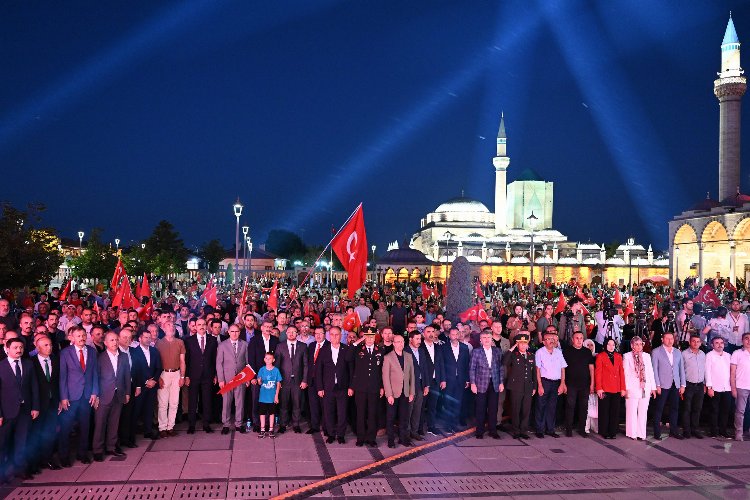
315	356
369	351
46	369
235	347
293	343
82	361
18	372
202	343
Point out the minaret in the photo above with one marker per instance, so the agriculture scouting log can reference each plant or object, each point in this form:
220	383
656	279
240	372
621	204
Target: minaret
501	162
729	89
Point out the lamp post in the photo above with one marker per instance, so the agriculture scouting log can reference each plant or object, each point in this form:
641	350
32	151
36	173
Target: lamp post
80	241
532	224
249	242
245	230
447	235
544	267
237	212
676	264
374	271
630	263
117	244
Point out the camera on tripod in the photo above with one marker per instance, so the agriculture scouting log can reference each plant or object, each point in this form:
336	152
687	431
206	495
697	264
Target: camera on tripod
608	309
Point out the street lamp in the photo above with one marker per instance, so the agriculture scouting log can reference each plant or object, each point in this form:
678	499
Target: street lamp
237	212
676	263
447	235
249	242
80	241
544	271
374	271
532	224
631	241
117	244
245	230
143	246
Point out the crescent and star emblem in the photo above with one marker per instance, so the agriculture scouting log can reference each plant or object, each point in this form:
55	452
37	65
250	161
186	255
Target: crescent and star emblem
351	242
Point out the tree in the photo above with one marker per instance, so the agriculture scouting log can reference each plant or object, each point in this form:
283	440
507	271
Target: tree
212	252
286	244
165	251
459	289
28	256
230	274
135	261
97	261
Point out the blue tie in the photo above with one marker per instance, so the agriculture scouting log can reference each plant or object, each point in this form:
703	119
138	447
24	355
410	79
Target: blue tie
18	372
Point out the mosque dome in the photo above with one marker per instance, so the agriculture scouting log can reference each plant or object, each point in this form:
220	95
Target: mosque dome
462	204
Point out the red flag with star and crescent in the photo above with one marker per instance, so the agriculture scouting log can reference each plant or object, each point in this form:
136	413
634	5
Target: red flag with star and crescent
118	274
273	297
706	295
244	376
350	246
561	303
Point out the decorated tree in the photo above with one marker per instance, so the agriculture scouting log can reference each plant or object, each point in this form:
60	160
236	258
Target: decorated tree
459	289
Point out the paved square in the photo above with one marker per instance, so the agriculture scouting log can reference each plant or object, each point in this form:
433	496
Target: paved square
243	466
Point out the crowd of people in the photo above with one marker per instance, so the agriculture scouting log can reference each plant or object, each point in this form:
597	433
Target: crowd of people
80	373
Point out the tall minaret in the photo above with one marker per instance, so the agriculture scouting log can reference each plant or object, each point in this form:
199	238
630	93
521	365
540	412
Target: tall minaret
501	162
729	89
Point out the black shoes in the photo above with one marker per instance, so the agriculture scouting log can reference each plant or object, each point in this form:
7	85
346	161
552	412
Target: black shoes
540	435
523	435
417	437
191	430
553	434
495	435
207	429
312	431
225	430
391	444
372	444
341	440
85	459
360	443
241	429
569	433
330	439
99	457
676	436
282	429
297	429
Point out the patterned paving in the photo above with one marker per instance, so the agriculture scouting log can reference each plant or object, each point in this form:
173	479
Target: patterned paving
245	467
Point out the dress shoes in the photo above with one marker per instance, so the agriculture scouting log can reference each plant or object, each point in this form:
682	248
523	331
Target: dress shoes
391	444
53	465
312	431
523	435
540	435
479	436
297	429
360	443
191	430
224	430
495	435
282	429
569	433
553	434
65	463
163	434
131	445
24	476
676	436
172	432
98	457
416	437
330	439
407	443
207	429
84	459
341	440
372	444
241	429
697	435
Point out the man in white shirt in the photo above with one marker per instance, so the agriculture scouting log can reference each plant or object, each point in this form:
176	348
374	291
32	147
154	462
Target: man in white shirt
363	311
718	387
739	378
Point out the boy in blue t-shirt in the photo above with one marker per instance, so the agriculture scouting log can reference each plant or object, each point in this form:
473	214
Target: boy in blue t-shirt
269	378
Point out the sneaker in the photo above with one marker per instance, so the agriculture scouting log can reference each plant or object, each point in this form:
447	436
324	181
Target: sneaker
261	435
271	434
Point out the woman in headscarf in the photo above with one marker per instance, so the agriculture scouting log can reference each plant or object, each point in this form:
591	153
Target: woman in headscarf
640	388
610	387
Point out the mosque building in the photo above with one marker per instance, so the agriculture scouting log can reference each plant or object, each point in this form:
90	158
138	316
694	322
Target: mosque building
712	239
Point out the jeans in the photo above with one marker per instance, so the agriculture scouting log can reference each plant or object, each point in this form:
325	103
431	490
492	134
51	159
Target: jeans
546	405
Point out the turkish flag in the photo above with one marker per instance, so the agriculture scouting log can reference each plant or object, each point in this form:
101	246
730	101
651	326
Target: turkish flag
145	312
123	298
657	315
580	294
445	288
708	296
210	296
65	292
629	306
350	246
293	294
351	322
145	289
560	304
243	377
474	313
273	297
426	291
243	300
618	297
728	284
478	290
119	273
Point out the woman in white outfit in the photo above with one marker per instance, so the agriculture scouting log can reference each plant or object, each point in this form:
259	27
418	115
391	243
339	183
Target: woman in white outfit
640	387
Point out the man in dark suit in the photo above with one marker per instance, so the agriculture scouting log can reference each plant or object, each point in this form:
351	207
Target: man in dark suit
79	392
433	354
316	402
291	360
44	429
145	373
421	384
114	386
200	374
367	384
332	374
19	405
256	351
126	429
456	360
520	373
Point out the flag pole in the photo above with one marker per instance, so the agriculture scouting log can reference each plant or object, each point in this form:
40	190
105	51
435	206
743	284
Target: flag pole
328	245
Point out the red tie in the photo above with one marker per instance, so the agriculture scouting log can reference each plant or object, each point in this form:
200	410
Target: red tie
317	349
80	358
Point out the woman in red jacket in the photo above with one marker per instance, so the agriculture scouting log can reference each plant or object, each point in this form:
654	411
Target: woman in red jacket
609	379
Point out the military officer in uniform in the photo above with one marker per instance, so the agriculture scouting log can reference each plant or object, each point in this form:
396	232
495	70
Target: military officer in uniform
367	384
521	382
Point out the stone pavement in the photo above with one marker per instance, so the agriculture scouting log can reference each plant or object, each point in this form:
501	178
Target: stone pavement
243	466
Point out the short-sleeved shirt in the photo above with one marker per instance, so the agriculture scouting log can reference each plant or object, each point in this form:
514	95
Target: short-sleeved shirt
578	374
550	365
170	353
741	358
269	379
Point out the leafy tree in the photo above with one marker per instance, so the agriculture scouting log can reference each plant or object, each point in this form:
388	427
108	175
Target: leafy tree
230	273
97	261
135	261
611	248
165	251
286	244
212	252
28	256
459	289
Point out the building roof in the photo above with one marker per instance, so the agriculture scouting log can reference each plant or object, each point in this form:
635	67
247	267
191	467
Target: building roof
403	256
706	204
528	174
737	200
730	35
462	204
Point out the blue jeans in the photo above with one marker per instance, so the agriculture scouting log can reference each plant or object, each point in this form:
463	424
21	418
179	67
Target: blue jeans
546	406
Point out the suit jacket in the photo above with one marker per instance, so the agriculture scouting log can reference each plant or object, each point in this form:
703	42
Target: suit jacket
256	350
74	382
200	366
113	385
632	381
367	374
398	381
330	376
229	363
664	373
311	362
288	366
15	399
141	371
434	367
49	392
421	376
456	371
480	374
608	376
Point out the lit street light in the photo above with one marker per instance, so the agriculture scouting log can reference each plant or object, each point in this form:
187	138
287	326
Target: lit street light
117	244
237	212
80	241
249	242
245	230
532	224
374	271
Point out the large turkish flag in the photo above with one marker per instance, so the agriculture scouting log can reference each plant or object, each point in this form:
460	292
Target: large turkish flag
350	246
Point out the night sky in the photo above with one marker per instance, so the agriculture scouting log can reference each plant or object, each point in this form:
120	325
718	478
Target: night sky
120	114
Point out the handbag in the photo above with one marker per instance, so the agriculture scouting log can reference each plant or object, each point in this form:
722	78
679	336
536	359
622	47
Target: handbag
593	407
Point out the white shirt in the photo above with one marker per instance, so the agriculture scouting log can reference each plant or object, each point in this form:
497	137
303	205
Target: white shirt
670	355
126	352
335	356
431	351
415	353
41	362
741	358
202	338
717	371
488	354
147	353
456	349
113	360
736	328
289	345
266	343
85	354
20	364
